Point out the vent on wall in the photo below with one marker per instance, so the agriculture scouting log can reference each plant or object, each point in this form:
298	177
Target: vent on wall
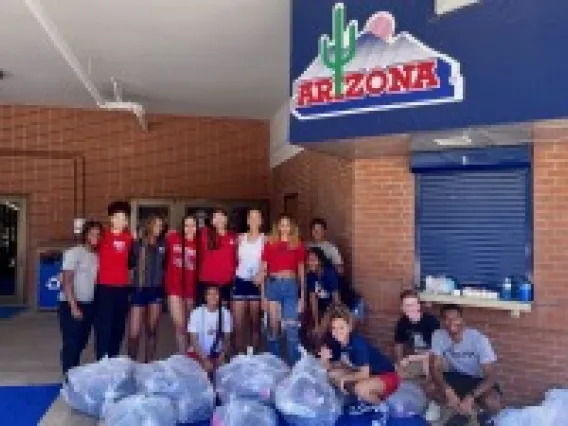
478	137
442	7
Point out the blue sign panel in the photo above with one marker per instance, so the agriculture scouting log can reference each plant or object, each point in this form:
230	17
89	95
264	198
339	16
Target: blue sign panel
48	282
369	68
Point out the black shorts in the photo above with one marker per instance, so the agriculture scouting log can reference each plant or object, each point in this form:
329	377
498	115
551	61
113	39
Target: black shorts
245	290
225	291
464	384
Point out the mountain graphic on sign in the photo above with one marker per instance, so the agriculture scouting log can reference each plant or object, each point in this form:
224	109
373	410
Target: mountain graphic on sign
377	47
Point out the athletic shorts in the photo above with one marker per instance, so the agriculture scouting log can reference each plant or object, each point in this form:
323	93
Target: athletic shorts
147	296
176	288
391	382
245	290
464	384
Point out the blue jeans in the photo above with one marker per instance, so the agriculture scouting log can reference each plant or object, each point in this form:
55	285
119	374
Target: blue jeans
285	291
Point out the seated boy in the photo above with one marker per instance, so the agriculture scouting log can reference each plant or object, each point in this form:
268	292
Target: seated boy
470	374
413	334
354	365
209	331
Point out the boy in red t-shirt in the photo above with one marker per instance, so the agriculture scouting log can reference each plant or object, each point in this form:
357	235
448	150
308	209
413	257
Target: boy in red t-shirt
113	282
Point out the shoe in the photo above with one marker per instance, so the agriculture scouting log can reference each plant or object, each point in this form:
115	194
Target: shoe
433	413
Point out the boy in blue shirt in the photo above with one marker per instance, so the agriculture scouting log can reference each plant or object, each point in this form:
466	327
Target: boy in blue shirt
354	365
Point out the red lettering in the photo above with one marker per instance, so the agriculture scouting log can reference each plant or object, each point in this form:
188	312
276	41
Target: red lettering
324	88
398	79
354	86
401	78
377	82
305	94
426	77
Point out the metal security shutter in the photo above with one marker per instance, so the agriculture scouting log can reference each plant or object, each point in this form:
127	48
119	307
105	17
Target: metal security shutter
474	215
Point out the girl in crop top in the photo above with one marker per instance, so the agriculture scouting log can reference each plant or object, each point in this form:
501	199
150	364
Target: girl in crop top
283	265
246	290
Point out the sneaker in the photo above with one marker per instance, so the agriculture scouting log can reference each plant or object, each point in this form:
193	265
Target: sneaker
433	413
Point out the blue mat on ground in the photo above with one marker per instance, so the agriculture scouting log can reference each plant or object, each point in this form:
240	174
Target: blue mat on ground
26	405
7	312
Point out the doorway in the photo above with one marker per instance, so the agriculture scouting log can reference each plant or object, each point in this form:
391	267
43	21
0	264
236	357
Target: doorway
12	249
144	209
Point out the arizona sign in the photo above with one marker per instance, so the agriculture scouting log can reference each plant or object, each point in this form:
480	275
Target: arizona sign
373	70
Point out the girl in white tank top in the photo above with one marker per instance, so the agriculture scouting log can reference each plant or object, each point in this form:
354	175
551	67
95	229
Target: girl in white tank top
246	291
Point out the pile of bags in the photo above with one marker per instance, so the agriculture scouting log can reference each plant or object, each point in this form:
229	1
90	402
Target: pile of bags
252	388
121	392
552	412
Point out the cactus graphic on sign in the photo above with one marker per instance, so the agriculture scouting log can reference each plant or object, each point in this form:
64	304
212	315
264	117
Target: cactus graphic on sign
336	54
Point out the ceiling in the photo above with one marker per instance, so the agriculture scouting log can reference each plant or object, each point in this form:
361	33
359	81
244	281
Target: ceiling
202	57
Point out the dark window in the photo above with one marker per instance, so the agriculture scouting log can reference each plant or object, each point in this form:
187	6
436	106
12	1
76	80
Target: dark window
474	214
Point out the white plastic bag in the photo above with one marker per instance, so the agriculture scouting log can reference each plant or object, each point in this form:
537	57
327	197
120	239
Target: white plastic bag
89	388
552	412
408	401
141	410
184	382
243	412
306	398
250	376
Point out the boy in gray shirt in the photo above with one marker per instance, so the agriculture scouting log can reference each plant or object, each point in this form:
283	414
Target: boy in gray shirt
318	228
76	309
463	368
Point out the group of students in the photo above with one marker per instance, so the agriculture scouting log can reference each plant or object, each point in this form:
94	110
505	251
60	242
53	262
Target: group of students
217	285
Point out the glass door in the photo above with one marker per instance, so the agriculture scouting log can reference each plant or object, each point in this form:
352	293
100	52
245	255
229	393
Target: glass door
12	249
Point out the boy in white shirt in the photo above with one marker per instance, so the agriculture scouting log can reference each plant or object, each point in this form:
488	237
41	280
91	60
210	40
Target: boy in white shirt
209	330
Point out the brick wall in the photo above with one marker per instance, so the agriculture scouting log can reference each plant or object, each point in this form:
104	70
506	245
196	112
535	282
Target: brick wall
179	157
534	348
324	187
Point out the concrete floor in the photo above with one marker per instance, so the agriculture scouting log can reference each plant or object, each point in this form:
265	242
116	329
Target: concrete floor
29	354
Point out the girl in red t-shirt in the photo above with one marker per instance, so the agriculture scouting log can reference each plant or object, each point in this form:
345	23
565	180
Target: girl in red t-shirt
180	278
217	256
284	289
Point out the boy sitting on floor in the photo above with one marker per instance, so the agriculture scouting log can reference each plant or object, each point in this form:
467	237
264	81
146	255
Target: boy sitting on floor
413	335
463	370
354	365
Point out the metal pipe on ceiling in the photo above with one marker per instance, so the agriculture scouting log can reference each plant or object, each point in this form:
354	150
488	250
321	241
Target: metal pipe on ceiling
38	11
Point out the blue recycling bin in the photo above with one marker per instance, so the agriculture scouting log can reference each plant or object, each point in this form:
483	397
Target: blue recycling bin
49	279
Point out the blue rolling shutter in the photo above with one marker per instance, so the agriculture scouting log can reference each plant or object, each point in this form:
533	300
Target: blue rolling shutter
474	215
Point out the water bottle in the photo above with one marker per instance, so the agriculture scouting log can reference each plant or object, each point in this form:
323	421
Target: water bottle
507	289
525	292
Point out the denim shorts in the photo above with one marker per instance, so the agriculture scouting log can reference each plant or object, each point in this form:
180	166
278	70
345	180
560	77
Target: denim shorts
285	292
